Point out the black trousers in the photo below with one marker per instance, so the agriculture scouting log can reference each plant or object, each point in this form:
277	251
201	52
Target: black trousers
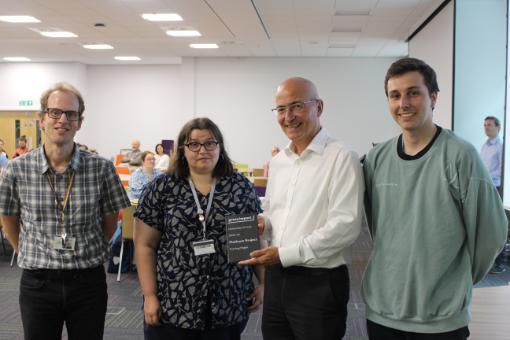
380	332
48	298
305	303
168	332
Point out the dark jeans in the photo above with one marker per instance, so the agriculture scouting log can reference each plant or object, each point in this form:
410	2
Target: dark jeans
48	298
168	332
380	332
305	303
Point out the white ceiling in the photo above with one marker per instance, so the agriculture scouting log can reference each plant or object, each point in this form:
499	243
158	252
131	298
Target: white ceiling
286	28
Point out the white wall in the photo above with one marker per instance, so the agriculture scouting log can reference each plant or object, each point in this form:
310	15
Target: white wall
132	102
434	45
152	102
238	94
480	65
28	80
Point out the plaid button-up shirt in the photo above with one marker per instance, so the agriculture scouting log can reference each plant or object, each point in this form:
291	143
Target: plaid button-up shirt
96	191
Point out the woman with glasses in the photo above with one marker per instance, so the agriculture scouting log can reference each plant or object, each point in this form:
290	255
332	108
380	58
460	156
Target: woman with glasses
142	175
162	159
190	289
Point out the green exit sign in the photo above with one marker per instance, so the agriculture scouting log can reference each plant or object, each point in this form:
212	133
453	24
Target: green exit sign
25	102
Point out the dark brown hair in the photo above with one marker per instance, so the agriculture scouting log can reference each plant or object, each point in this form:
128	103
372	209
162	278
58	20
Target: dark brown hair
496	121
156	148
179	165
406	65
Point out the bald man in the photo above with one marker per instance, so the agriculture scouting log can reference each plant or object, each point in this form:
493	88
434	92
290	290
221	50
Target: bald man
312	214
134	157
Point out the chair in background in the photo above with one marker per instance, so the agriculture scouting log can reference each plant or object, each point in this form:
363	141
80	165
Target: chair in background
127	232
3	246
118	159
257	172
259	184
242	168
124	175
3	239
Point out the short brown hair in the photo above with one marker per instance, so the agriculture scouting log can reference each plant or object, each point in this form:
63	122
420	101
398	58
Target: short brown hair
496	121
64	87
145	154
179	165
406	65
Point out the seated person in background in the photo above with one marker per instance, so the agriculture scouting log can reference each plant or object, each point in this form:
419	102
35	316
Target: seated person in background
134	157
22	147
3	157
83	147
142	175
162	159
274	152
202	295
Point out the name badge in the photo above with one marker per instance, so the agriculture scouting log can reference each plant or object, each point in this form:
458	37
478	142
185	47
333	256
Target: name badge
203	247
63	243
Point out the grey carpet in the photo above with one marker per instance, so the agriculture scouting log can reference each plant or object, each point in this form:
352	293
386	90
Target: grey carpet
124	317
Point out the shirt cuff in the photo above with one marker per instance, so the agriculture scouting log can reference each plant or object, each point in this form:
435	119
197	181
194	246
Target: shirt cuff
290	255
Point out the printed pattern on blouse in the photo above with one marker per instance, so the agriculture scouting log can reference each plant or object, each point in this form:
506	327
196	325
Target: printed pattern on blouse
191	287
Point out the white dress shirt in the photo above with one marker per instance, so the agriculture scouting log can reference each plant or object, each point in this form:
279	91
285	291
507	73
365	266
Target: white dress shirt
314	201
492	156
162	162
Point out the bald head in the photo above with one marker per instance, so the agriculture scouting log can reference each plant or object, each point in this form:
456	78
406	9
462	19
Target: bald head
298	109
303	85
135	144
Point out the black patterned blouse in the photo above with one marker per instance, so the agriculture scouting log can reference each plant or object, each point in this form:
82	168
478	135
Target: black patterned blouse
198	291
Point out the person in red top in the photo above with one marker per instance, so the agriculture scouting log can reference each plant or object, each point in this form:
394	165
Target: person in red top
22	147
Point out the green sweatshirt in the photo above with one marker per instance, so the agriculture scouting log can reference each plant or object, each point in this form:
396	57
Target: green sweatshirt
437	224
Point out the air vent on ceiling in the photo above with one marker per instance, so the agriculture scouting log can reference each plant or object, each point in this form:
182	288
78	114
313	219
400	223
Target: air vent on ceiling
341	46
351	13
346	30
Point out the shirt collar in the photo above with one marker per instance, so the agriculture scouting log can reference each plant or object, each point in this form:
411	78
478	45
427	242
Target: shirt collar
318	144
493	141
44	166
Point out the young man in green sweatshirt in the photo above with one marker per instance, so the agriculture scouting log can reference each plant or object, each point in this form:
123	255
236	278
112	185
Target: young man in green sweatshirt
436	220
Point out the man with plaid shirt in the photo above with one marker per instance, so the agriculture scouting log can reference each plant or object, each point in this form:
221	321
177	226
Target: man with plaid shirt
59	208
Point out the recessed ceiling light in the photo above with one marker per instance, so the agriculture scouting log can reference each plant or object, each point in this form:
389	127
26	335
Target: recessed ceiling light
58	34
183	33
16	59
127	58
162	17
98	46
203	45
18	18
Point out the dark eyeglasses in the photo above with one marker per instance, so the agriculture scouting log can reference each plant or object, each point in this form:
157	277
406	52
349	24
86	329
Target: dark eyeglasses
57	113
292	107
210	145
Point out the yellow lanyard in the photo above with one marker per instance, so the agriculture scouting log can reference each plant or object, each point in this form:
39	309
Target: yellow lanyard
61	205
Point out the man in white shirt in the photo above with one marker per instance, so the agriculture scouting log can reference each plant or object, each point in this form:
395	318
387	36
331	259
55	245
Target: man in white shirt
312	214
492	156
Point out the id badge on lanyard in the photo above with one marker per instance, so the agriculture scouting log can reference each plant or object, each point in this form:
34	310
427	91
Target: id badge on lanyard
204	246
62	241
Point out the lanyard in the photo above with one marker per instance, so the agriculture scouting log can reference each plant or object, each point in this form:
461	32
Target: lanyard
200	212
61	204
